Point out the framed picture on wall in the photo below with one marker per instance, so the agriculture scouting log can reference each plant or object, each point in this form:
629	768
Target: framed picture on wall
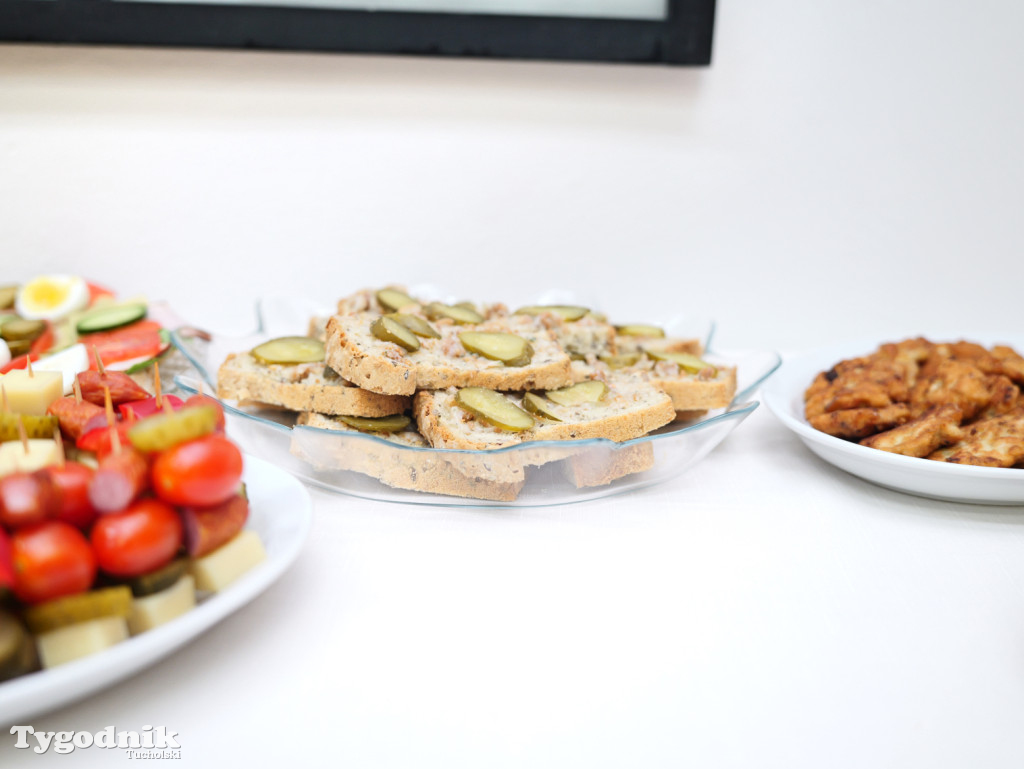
672	32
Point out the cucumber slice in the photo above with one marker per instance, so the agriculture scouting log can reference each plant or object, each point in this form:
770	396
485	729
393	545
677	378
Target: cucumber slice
289	350
161	579
494	408
106	318
591	391
80	607
392	424
163	431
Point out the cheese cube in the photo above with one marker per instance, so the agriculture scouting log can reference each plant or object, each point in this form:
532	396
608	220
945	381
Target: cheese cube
218	569
79	640
32	393
158	608
41	452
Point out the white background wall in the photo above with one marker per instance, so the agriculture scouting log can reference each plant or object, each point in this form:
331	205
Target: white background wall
841	168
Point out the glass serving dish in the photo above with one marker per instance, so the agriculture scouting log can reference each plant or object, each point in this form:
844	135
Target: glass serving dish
531	474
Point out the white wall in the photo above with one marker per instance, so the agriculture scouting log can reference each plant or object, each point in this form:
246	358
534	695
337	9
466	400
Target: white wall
840	162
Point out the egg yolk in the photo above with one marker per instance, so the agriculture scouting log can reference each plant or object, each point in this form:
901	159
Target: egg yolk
46	295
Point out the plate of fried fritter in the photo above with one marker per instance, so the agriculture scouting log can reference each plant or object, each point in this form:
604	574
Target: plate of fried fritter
935	416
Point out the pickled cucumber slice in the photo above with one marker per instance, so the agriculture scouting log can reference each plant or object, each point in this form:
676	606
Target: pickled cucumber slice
35	426
19	329
156	581
686	361
105	602
465	315
621	360
19	347
391	424
568	312
290	349
392	300
539	405
510	349
7	296
165	430
640	329
494	408
390	330
591	391
17	649
415	324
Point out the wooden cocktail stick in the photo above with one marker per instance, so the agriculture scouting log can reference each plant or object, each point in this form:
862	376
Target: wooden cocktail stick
78	390
99	361
157	391
61	457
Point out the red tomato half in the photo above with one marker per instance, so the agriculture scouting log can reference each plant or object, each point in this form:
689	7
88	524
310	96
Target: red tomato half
202	472
73	479
136	340
141	538
51	560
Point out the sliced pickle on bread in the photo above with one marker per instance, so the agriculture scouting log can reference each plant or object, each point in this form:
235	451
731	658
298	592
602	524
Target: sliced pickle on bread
290	350
415	324
539	405
113	601
567	312
391	424
620	360
388	329
591	391
494	409
640	329
510	349
456	313
392	299
686	361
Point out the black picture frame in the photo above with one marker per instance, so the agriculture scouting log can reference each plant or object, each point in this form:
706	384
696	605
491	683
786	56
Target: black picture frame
683	38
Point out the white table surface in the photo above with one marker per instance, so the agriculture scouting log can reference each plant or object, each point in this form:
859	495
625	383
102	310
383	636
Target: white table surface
763	609
843	169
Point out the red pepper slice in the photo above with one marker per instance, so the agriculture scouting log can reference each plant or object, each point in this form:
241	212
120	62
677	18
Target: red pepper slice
136	340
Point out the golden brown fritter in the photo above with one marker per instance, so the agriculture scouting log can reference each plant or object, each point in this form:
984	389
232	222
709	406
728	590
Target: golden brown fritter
995	442
859	423
955	382
874	381
1004	396
937	427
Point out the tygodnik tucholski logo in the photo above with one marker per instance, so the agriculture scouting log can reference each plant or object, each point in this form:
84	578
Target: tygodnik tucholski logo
151	742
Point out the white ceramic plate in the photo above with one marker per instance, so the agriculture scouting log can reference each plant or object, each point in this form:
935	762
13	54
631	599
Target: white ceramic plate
783	394
280	512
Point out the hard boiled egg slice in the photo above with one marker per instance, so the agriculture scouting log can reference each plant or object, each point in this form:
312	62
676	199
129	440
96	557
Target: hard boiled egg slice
70	362
51	297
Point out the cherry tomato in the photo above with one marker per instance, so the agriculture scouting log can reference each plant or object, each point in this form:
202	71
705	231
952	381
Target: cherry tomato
6	562
136	340
52	559
27	498
73	481
202	472
144	536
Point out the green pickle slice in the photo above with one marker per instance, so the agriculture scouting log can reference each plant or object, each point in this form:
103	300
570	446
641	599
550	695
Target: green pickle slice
163	431
686	361
391	299
415	324
620	360
20	329
510	349
640	329
290	349
591	391
391	424
567	312
8	294
388	329
105	602
539	405
494	408
456	313
35	426
161	579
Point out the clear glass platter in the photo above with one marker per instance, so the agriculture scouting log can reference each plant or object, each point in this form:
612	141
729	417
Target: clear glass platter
532	474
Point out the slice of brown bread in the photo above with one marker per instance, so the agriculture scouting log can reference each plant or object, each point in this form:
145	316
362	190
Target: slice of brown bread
630	409
301	387
384	367
395	462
